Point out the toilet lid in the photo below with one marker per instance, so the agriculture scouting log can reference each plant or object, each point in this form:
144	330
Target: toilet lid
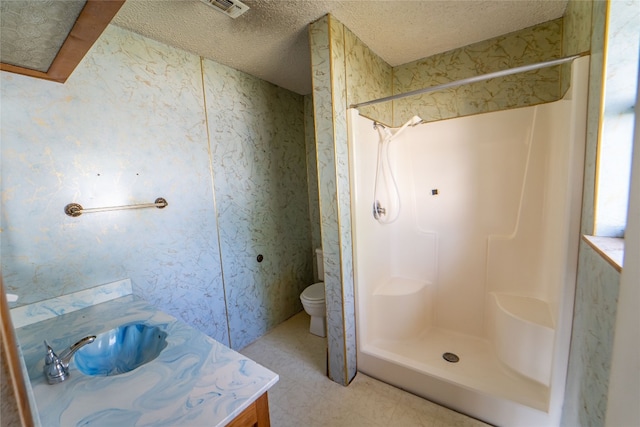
314	292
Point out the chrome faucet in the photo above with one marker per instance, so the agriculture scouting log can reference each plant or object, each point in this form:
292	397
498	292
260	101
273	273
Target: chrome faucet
56	368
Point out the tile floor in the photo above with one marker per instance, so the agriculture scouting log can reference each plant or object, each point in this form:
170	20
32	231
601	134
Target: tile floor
304	396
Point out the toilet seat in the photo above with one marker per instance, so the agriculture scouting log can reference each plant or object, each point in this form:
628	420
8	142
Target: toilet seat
314	293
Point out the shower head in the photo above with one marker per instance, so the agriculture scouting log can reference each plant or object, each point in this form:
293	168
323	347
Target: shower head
413	121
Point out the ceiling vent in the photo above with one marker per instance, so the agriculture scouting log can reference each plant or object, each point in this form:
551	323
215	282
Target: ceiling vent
232	8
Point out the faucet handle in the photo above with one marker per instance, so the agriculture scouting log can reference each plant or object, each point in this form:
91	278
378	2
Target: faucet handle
54	370
51	356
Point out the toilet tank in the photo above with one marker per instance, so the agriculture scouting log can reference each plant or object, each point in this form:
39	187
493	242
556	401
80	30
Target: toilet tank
320	265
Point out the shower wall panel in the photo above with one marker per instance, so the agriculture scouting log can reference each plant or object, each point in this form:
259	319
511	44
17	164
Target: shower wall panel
536	251
485	207
477	169
371	236
457	186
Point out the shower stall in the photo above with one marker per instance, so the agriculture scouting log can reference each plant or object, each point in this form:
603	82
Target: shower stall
466	296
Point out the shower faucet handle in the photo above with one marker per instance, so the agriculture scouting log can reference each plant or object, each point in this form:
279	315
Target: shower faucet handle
378	210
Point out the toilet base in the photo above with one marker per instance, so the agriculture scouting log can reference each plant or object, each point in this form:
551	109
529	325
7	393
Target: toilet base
318	326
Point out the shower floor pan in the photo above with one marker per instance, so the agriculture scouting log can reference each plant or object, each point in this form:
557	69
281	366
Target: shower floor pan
478	368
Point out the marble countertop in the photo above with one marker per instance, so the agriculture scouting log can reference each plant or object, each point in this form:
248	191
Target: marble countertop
195	381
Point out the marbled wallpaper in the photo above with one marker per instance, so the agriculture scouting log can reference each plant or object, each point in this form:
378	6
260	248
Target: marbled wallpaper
343	295
130	126
328	85
592	340
260	179
312	177
535	44
576	34
368	77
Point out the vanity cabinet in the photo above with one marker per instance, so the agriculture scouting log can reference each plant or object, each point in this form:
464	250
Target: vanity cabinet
256	415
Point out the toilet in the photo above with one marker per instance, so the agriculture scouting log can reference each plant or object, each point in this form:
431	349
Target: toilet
313	301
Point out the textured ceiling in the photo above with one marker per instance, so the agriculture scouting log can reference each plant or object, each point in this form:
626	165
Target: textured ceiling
271	42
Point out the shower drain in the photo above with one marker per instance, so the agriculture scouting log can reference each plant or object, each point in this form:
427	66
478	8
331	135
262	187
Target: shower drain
451	357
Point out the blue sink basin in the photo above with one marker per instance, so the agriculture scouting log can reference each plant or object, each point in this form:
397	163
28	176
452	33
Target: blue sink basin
121	350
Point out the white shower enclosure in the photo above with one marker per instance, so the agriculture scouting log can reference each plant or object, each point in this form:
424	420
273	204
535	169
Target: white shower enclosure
481	261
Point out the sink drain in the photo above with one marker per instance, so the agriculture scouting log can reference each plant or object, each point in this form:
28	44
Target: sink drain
451	357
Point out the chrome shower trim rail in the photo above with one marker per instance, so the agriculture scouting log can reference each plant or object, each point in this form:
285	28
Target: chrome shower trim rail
475	79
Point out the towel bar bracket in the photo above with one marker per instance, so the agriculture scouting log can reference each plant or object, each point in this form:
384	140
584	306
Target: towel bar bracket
73	209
